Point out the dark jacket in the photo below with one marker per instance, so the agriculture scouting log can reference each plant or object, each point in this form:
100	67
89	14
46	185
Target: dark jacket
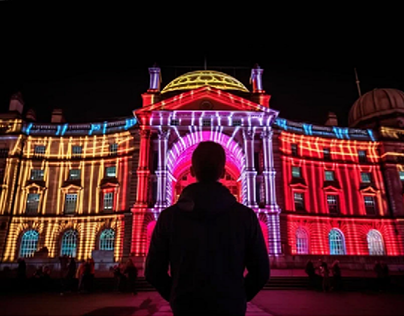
207	240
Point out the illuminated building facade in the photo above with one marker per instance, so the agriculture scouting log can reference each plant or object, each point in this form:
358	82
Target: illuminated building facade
317	190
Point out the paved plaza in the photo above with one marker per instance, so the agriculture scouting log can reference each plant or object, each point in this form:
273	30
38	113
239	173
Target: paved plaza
274	302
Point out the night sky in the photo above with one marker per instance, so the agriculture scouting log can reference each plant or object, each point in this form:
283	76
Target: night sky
99	70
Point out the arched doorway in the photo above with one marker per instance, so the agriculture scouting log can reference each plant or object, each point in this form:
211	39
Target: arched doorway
179	164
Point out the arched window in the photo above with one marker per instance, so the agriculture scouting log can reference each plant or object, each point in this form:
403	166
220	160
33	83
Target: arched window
69	243
337	242
29	243
107	239
375	243
302	241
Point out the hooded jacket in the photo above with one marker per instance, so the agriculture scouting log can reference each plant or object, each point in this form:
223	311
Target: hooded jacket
200	249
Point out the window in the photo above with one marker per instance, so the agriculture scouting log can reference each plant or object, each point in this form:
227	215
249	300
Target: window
236	122
327	153
113	149
362	156
77	151
110	172
3	152
337	242
69	243
32	203
39	150
329	175
370	204
302	242
206	122
108	200
333	204
299	201
294	150
37	174
366	177
375	243
174	122
107	239
401	175
29	243
296	172
70	203
74	174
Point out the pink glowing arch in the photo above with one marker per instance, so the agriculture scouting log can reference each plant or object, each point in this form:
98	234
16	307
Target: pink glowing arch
181	151
180	154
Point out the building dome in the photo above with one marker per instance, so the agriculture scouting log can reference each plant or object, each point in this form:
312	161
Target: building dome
376	105
200	78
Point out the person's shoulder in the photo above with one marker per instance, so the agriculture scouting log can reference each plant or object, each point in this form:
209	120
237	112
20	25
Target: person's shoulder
168	212
244	210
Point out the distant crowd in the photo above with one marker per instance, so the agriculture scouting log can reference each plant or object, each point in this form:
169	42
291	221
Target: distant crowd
330	279
77	276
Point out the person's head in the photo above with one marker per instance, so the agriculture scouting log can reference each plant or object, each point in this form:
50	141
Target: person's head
208	161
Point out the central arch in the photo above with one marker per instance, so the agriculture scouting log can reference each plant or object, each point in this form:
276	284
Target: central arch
179	163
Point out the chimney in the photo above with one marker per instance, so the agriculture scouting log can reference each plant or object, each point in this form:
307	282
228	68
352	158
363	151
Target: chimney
16	103
332	119
256	79
258	93
155	79
30	116
57	116
153	93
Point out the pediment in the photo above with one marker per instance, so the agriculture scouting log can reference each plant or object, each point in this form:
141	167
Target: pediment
71	186
331	186
205	99
296	184
369	189
35	186
107	183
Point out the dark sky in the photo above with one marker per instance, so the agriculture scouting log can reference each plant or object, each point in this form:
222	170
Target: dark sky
98	70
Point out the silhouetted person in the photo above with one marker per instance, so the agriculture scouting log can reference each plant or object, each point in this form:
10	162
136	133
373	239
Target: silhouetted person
131	272
336	276
379	275
91	274
311	273
385	275
21	270
80	275
325	274
71	274
206	240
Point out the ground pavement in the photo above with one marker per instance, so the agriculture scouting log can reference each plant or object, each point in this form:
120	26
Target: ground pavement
273	302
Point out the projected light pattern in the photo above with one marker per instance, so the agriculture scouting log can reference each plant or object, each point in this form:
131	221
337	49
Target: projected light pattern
355	232
51	231
196	79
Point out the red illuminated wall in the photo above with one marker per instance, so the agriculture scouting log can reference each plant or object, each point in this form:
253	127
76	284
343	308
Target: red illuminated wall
352	218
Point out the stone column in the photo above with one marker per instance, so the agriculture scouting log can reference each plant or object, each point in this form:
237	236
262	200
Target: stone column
269	170
271	207
250	172
161	172
143	172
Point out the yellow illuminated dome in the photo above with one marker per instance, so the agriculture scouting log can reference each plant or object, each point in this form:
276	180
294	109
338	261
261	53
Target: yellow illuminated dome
200	78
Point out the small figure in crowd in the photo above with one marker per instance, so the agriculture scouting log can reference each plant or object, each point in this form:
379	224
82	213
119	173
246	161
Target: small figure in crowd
21	269
131	272
377	268
311	273
325	274
336	276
